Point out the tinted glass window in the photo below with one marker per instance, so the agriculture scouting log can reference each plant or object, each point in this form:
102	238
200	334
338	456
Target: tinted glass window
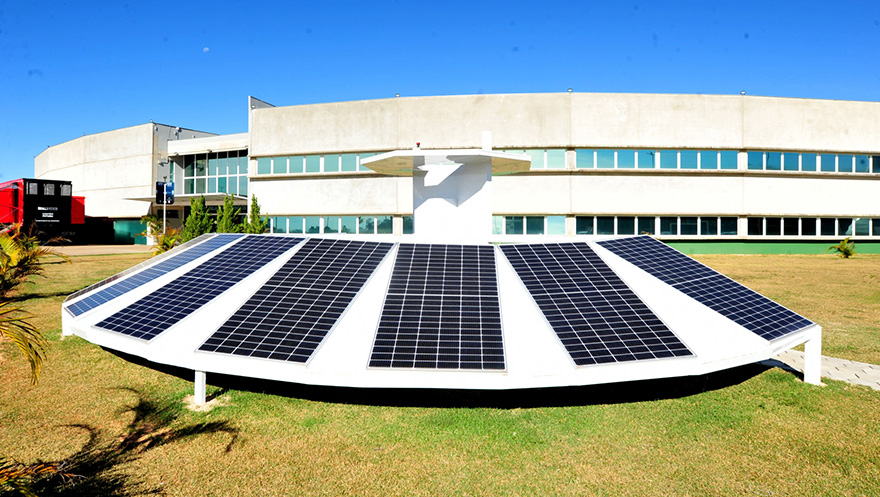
513	225
756	226
626	225
844	163
583	158
604	225
808	226
534	225
808	162
605	159
708	160
827	161
669	159
688	159
774	161
646	225
708	225
668	225
688	226
583	225
773	226
645	158
790	161
728	159
827	226
756	160
728	226
790	226
626	159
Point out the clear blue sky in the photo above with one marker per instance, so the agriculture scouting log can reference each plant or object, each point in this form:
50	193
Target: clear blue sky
74	68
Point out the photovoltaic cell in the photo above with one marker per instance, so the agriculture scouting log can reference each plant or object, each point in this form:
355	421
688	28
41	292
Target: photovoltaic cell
157	267
441	310
594	313
291	314
158	311
745	307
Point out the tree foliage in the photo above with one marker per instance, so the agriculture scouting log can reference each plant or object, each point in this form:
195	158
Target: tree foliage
255	224
845	248
21	256
198	222
227	217
14	326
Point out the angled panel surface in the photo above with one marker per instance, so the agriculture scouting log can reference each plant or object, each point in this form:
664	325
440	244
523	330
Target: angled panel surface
155	268
441	310
288	318
158	311
594	313
738	303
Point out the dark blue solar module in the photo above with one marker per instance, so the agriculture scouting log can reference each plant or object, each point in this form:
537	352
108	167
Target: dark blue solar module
158	311
291	314
596	316
157	268
441	310
746	307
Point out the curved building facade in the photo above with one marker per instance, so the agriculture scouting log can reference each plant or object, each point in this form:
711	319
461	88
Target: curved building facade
708	173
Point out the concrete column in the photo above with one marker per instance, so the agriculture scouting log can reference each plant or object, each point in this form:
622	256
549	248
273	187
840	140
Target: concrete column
199	388
813	358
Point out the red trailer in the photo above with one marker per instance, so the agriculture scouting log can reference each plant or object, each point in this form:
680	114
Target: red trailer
47	205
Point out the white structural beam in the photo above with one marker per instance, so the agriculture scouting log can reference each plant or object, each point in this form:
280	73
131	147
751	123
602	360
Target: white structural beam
813	358
199	394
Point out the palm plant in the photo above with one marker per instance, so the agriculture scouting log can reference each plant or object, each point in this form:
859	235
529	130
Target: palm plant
845	248
14	326
21	256
166	241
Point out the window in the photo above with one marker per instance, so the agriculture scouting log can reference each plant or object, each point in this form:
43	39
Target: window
626	159
773	226
583	158
626	225
828	163
827	226
844	163
313	224
66	190
728	159
605	159
279	165
808	162
756	161
875	164
668	225
49	189
773	161
862	163
875	227
367	224
688	159
513	225
348	162
844	226
604	225
669	159
756	226
331	224
708	159
408	225
295	164
646	225
708	225
313	164
790	226
534	225
729	226
790	161
862	226
295	224
556	159
331	163
384	225
555	225
348	224
584	225
688	226
279	224
808	226
645	158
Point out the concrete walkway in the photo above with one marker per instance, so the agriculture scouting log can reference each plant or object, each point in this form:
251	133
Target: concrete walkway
857	373
72	250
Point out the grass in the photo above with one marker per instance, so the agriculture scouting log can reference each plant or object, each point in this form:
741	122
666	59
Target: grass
749	431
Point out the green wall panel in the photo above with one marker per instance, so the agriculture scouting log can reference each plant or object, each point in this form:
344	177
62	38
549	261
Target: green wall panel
765	247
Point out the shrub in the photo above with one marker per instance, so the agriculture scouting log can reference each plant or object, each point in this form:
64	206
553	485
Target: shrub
845	248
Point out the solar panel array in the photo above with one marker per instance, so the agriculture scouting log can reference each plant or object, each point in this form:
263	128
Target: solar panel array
158	311
745	307
155	269
594	313
441	310
291	314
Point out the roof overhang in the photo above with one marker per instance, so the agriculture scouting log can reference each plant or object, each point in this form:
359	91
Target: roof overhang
184	200
404	162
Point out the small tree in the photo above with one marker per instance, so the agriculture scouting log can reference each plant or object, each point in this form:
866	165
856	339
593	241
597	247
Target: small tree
845	248
254	223
21	256
198	222
227	217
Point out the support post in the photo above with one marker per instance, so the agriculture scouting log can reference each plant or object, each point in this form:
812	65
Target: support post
813	358
199	388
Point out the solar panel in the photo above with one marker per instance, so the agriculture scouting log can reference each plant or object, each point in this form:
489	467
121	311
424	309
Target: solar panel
746	307
594	313
441	310
156	267
158	311
288	318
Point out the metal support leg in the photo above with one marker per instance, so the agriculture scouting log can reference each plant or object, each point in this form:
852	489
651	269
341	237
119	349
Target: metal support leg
200	388
813	359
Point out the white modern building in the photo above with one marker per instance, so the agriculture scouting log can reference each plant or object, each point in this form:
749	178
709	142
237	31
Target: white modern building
706	173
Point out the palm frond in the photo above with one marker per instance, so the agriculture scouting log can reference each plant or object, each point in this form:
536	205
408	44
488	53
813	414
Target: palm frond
15	326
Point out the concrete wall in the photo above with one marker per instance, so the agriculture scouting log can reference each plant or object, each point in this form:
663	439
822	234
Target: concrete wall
569	120
112	167
334	195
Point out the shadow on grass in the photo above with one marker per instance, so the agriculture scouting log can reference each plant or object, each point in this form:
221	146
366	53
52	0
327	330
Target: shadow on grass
37	295
610	393
97	468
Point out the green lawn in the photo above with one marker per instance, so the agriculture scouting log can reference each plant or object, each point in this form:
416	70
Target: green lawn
749	431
